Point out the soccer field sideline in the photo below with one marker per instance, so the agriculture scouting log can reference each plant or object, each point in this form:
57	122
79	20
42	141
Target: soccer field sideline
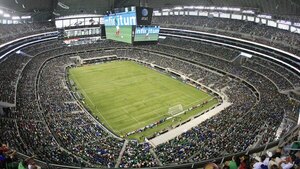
93	104
124	117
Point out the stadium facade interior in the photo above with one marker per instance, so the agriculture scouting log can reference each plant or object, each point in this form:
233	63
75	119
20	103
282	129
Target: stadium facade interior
150	84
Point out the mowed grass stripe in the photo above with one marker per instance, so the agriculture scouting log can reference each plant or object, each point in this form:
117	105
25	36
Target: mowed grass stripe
128	96
90	103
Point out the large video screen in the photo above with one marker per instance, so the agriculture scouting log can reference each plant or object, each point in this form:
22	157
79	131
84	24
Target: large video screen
118	26
146	33
119	33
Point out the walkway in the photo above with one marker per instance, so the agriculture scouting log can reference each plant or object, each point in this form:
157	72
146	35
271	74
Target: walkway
183	128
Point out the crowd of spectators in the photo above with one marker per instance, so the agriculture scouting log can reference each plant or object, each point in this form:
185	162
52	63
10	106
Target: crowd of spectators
233	138
73	128
9	159
195	72
280	81
12	66
9	74
295	96
235	28
273	71
202	47
279	158
13	31
138	156
290	76
49	123
33	128
186	145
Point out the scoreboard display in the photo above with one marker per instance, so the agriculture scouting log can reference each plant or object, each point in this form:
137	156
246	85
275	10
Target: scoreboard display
146	33
118	26
119	33
131	24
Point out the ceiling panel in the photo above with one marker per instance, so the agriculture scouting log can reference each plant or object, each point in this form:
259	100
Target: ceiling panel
26	6
277	7
84	7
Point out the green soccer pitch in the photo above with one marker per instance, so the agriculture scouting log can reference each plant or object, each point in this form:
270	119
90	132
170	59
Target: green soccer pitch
127	96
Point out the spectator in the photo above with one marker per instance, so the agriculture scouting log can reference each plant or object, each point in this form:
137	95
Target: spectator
48	122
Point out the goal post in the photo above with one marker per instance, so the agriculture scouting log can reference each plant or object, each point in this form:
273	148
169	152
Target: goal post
175	109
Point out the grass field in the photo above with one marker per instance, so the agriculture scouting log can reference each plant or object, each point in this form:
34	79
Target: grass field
127	96
124	36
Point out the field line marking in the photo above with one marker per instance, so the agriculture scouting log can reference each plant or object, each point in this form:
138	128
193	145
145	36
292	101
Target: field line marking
130	115
157	113
150	119
160	115
144	122
93	104
151	98
200	101
194	98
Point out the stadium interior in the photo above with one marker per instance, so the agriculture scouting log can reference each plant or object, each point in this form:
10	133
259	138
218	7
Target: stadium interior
150	84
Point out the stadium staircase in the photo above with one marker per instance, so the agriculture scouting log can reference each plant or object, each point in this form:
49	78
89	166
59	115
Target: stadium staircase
121	154
155	156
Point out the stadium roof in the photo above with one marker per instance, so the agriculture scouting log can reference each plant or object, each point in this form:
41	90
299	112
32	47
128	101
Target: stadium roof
47	8
275	7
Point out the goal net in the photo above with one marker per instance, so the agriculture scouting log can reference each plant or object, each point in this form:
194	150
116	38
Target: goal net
175	109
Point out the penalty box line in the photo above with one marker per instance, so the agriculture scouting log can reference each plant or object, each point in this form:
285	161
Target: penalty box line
161	115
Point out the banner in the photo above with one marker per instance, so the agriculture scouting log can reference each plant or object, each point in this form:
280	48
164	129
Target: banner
120	19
